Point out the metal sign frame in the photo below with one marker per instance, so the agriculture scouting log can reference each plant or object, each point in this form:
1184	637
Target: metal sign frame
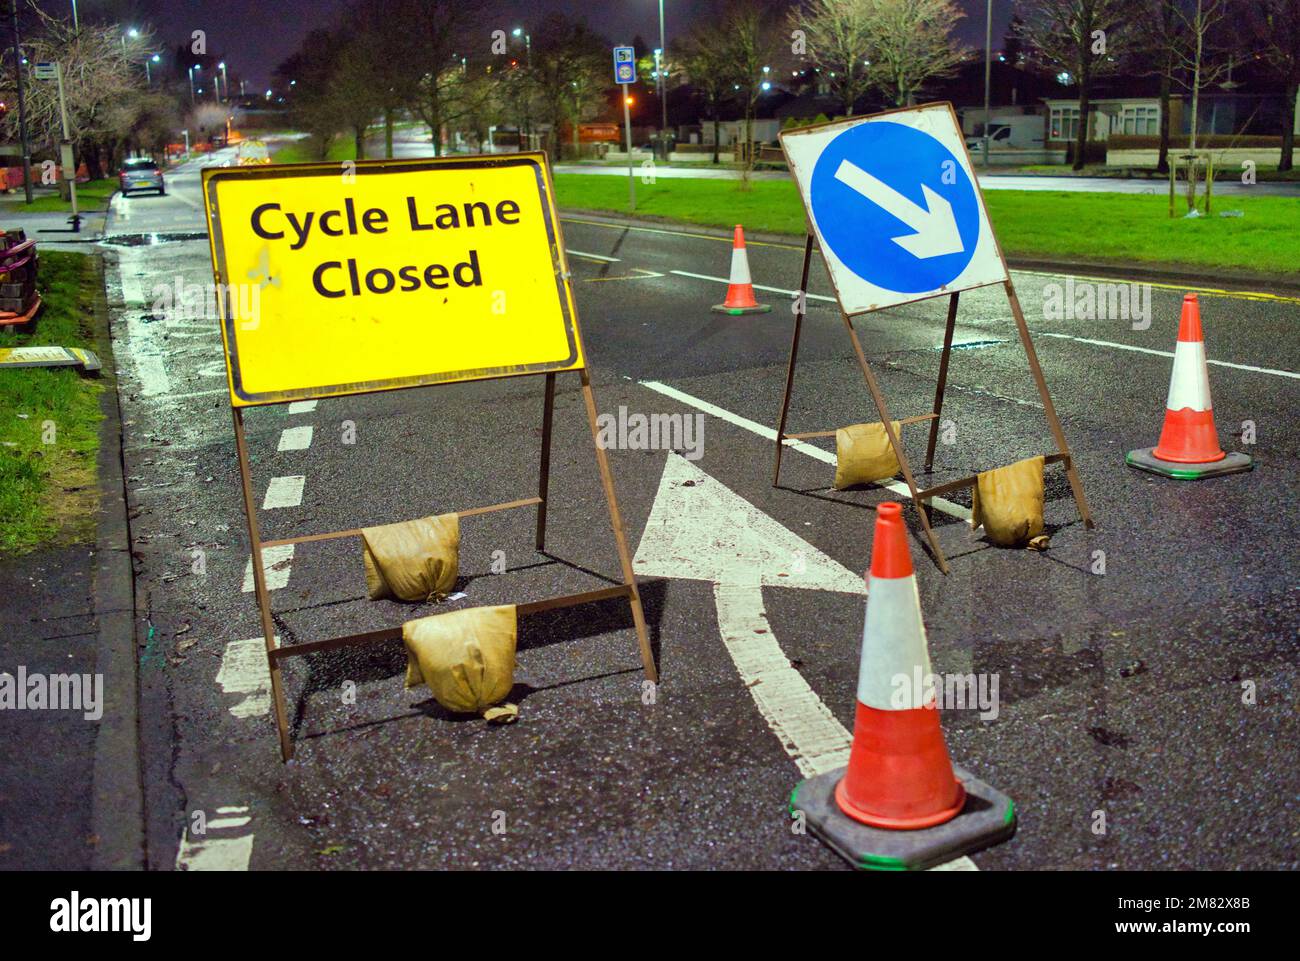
627	588
920	496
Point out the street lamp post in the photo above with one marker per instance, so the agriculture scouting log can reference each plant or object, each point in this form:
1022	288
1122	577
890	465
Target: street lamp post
148	74
225	79
22	107
988	74
191	73
660	55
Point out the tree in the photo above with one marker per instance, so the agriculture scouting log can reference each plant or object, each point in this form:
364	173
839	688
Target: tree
1081	38
570	72
438	85
708	71
912	42
1160	38
1276	30
839	34
1203	60
750	40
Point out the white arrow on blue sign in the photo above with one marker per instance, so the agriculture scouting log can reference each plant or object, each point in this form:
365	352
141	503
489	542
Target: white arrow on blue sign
895	207
625	65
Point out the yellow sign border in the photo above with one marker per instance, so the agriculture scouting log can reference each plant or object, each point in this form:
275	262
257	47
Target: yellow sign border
212	177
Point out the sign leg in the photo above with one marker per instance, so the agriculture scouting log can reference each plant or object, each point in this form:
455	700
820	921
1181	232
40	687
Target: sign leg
259	584
800	309
620	540
943	380
543	485
879	398
1076	486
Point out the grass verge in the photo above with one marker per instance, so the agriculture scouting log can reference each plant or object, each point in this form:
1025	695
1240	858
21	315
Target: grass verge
1041	224
49	418
92	195
301	152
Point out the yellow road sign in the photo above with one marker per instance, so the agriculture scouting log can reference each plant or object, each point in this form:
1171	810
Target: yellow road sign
342	278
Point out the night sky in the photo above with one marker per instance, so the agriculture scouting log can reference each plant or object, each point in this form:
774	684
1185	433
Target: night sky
256	35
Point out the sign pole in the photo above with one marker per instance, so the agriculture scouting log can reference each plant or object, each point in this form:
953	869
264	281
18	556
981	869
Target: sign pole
627	128
69	161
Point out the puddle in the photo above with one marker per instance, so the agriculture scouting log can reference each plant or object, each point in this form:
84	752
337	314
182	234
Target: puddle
149	240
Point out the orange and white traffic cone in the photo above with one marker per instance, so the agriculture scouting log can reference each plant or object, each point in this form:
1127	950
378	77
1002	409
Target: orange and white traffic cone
900	804
740	291
899	775
1189	444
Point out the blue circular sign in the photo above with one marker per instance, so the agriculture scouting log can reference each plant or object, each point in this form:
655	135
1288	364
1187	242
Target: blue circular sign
869	187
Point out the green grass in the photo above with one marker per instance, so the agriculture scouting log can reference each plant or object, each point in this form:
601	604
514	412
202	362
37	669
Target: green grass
92	195
48	492
1039	224
300	152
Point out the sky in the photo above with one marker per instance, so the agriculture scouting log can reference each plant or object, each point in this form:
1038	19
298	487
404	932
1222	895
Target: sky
256	35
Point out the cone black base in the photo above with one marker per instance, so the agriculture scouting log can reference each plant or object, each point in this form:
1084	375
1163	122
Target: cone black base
988	818
1145	460
724	309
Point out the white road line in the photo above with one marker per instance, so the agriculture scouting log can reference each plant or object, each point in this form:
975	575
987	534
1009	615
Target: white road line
284	492
602	258
302	407
218	853
825	456
243	672
295	438
143	343
276	562
1169	353
770	290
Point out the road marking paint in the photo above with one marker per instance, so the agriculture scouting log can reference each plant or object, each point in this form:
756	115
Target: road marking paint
143	343
700	529
218	854
302	406
243	672
1211	291
1169	353
770	290
276	563
284	492
295	438
601	257
645	275
826	457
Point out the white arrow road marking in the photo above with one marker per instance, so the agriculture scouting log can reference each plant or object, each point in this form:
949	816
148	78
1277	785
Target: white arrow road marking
701	530
936	228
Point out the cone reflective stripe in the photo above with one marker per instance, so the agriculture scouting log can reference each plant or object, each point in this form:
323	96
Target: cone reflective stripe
1189	436
740	289
899	774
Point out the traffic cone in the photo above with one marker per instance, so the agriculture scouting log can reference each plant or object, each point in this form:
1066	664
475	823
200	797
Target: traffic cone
1189	444
900	804
740	292
899	775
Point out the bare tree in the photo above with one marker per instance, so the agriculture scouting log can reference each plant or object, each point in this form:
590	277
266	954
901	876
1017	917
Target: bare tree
569	70
1159	38
1276	33
708	70
750	39
912	42
1081	38
839	34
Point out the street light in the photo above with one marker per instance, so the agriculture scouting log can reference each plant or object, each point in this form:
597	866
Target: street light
663	86
225	79
148	74
192	70
988	73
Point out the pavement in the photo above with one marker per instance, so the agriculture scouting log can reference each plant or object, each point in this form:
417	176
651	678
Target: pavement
1122	695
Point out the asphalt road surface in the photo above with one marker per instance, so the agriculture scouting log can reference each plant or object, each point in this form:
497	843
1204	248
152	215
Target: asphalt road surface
1125	731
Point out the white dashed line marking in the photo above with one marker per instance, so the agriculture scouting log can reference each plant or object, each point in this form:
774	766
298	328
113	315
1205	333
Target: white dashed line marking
302	407
276	562
244	672
284	492
295	438
218	853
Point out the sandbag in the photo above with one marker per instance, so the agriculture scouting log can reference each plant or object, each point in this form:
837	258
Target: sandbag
412	560
1008	502
467	657
863	453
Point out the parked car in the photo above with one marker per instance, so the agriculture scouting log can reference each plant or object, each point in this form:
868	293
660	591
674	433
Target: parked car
141	173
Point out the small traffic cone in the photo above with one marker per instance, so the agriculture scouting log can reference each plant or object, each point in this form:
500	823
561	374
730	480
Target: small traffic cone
1189	444
900	804
740	292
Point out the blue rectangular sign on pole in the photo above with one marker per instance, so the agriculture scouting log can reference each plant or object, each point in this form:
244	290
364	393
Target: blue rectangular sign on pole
625	65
